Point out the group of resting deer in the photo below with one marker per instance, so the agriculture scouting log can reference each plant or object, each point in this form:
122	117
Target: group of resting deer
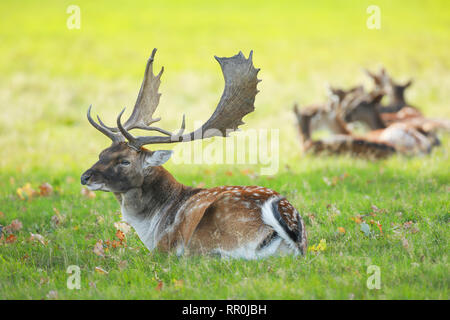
230	221
395	127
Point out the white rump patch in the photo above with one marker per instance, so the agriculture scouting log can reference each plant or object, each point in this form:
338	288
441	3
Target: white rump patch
269	219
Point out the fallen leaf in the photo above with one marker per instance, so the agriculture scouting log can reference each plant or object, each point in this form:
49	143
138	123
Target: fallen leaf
15	225
120	235
122	226
98	248
341	230
2	215
100	270
357	219
229	173
159	286
26	192
11	238
45	189
37	237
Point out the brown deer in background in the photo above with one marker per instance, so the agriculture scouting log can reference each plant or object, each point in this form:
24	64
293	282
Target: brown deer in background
323	116
345	142
397	108
406	137
232	221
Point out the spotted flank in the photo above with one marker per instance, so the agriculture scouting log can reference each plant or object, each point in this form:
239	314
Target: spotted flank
249	222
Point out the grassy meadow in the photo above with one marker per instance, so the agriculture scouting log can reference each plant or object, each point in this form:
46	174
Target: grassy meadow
393	214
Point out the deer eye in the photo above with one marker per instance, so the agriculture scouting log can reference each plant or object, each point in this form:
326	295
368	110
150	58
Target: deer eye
124	162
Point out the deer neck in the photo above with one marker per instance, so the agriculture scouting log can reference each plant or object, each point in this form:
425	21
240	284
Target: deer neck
153	208
397	101
341	126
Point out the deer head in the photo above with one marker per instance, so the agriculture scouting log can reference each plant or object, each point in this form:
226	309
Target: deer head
365	109
126	163
394	90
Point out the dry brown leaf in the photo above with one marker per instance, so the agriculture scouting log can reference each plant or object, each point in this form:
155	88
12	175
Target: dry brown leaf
341	230
2	215
229	173
159	286
15	225
37	237
100	270
26	192
45	189
120	235
11	238
98	248
122	226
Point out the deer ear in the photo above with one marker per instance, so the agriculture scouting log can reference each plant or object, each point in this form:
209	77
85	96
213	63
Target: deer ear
408	83
156	158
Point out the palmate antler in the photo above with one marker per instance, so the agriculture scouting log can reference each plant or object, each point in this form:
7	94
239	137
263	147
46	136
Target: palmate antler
237	101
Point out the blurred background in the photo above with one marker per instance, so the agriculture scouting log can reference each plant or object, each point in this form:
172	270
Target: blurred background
50	74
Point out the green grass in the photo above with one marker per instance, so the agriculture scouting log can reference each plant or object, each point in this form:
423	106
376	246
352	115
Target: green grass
49	75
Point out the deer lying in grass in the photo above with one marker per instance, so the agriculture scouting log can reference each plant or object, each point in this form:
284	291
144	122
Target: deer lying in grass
232	221
406	137
323	116
397	108
342	143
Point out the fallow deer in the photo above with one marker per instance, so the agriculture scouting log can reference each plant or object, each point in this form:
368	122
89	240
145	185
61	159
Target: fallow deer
397	108
231	221
406	137
342	143
323	116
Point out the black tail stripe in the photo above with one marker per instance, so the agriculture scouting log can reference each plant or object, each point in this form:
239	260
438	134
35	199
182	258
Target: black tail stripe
292	234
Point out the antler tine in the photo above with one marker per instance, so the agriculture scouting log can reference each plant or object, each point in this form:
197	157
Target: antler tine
138	142
148	98
103	129
237	101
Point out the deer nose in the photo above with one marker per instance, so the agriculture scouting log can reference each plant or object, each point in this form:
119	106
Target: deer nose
85	177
